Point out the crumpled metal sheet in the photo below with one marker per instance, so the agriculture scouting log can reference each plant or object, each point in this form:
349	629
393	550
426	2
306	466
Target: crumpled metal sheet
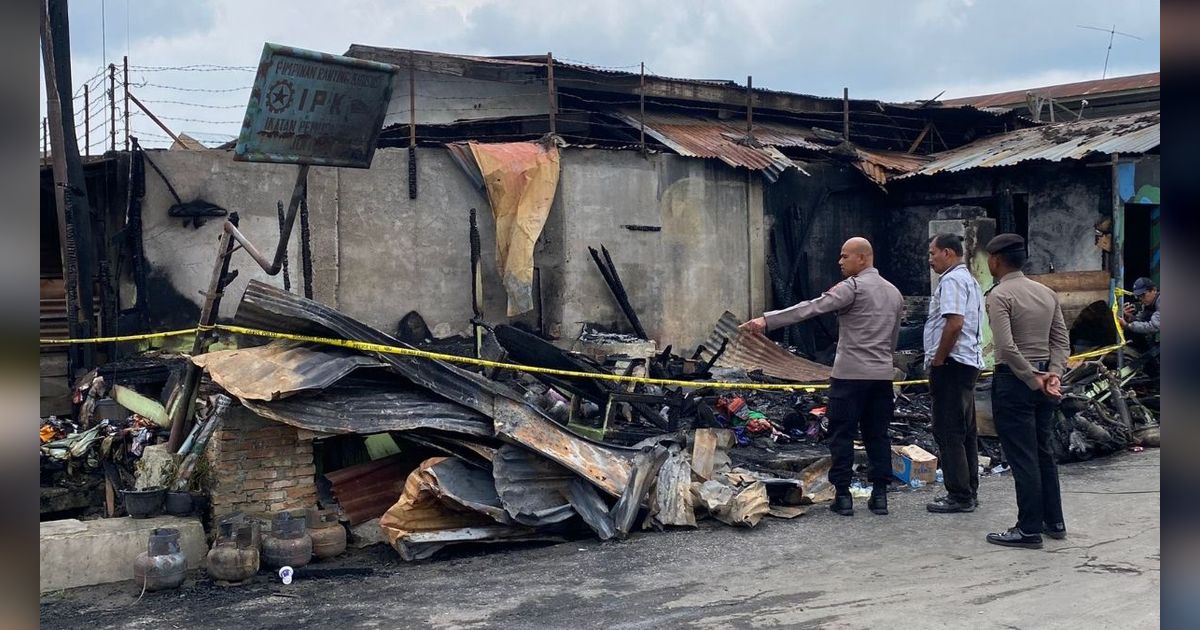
815	481
743	506
532	488
270	308
281	368
754	351
645	470
422	545
359	406
607	467
590	506
673	492
420	523
468	487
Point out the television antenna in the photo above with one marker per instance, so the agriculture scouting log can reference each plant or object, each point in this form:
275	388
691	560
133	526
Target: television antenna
1112	32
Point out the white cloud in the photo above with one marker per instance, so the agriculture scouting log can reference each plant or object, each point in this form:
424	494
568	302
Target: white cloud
878	48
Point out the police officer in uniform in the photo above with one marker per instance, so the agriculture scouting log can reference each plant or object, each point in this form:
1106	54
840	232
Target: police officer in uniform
1031	349
860	395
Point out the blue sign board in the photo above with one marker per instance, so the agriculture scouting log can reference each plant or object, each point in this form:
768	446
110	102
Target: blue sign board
308	107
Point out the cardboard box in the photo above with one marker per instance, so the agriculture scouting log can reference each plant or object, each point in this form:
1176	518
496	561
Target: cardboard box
913	462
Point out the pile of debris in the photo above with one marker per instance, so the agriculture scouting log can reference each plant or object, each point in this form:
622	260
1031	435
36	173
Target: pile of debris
517	463
95	455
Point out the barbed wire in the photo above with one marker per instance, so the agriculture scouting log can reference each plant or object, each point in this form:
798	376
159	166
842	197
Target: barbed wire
187	104
201	67
186	89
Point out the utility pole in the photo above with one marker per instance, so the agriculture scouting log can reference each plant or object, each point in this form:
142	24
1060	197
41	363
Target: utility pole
846	113
70	187
87	122
125	82
642	109
112	105
412	133
550	93
749	105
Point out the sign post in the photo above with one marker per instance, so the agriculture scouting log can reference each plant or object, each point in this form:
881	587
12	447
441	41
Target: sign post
306	108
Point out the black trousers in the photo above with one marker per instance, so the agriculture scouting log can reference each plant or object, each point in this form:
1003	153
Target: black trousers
1025	425
856	405
952	386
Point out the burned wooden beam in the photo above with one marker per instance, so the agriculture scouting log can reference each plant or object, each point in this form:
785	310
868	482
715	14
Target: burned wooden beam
613	280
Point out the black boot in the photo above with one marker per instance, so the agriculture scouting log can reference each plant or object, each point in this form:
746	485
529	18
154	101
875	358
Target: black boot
1014	537
946	505
843	504
878	501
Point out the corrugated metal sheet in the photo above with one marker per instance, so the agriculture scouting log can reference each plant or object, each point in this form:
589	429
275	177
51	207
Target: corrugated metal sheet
716	139
364	407
367	490
281	368
532	488
1136	133
1065	90
755	352
605	466
879	165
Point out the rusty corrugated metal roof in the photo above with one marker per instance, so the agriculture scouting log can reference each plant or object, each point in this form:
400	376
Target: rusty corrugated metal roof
879	166
1065	90
281	368
1135	133
753	351
695	136
367	490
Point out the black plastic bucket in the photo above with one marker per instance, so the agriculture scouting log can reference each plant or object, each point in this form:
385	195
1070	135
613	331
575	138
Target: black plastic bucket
144	503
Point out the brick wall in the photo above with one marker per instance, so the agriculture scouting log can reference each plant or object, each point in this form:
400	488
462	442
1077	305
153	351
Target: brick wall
259	466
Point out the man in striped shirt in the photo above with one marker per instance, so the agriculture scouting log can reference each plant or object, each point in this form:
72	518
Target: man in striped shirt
953	359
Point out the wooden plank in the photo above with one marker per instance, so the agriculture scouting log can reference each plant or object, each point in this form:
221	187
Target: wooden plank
1075	280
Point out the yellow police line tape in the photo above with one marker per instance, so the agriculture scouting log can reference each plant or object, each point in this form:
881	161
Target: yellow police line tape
454	358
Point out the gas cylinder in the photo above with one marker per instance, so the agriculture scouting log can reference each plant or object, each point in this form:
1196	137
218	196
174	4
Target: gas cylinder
288	544
163	564
234	556
328	535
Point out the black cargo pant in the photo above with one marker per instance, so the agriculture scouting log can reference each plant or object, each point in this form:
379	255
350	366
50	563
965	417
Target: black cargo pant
856	405
952	387
1025	425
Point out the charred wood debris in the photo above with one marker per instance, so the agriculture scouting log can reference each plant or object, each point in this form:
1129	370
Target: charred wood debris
532	456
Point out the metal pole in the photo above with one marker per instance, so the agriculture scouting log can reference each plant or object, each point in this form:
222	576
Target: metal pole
1118	248
550	90
125	82
152	117
182	413
45	139
642	108
846	113
749	105
112	106
87	122
412	103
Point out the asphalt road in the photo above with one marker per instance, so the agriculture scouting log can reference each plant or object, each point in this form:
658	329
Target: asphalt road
907	569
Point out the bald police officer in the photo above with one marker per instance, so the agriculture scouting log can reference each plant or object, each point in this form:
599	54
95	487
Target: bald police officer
1031	347
860	394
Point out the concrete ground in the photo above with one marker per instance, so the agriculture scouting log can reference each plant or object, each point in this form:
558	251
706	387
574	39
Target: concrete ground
910	568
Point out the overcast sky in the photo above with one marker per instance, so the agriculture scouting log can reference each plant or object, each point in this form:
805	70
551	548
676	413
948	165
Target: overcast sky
881	49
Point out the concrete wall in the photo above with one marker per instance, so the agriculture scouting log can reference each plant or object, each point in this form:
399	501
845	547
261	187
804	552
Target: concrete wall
378	254
1066	200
